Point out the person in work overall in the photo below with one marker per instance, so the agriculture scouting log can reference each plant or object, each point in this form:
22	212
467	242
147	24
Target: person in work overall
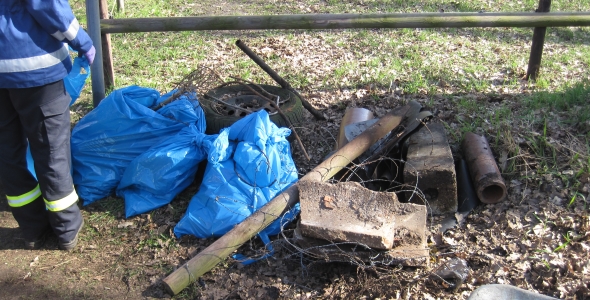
34	106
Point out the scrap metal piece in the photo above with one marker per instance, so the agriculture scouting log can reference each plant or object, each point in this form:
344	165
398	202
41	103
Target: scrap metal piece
351	117
456	270
488	181
466	196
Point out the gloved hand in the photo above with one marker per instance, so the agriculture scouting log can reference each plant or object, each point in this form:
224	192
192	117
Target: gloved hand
90	55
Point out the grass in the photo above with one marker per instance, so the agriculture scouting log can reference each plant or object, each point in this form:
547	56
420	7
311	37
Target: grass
417	57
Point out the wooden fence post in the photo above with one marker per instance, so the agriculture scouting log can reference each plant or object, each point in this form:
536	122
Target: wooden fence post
107	51
537	45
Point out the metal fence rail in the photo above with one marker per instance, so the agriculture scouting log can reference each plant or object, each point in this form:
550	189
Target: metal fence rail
342	21
539	20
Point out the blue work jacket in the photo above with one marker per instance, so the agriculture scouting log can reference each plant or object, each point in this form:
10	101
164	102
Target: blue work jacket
34	39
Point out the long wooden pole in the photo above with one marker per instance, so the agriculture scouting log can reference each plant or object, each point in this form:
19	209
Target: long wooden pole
336	21
121	6
241	233
538	43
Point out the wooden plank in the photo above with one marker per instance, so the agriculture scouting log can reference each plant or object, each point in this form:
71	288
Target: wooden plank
107	51
121	6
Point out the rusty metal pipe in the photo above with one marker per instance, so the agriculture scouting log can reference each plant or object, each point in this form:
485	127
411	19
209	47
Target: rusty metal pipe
489	184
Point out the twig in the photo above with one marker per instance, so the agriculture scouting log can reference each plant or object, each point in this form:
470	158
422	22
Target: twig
256	85
227	104
186	84
275	106
61	263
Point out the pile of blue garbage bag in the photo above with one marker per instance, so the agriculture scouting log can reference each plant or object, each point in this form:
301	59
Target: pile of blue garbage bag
128	147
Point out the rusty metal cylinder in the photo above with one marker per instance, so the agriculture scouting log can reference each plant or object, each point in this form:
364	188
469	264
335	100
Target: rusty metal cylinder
351	116
489	184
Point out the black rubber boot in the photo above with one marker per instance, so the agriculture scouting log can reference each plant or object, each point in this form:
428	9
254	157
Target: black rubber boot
66	225
33	221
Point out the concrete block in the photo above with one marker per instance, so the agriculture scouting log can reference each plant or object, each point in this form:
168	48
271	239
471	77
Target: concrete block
430	165
348	212
405	255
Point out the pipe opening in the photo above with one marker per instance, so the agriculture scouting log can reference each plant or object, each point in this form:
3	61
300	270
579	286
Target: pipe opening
492	194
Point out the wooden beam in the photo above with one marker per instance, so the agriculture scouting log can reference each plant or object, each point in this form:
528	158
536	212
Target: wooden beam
337	21
121	6
107	50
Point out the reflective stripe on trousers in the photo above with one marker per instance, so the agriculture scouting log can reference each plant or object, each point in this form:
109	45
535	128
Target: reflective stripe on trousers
63	203
24	199
54	205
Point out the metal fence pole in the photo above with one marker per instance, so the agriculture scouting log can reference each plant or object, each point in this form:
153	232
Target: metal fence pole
537	44
97	72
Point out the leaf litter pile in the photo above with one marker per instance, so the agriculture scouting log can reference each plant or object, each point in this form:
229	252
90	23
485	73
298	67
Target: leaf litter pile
538	239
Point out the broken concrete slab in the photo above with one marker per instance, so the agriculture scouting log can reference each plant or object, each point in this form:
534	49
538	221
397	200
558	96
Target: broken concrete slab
405	255
430	166
348	212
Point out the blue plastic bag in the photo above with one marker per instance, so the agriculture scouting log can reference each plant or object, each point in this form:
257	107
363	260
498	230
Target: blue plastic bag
235	186
121	128
154	178
74	83
76	79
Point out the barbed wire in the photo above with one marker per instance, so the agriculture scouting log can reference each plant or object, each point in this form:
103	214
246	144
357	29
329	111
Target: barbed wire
291	245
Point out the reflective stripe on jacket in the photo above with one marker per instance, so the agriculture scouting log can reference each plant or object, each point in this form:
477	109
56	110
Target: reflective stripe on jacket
32	37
